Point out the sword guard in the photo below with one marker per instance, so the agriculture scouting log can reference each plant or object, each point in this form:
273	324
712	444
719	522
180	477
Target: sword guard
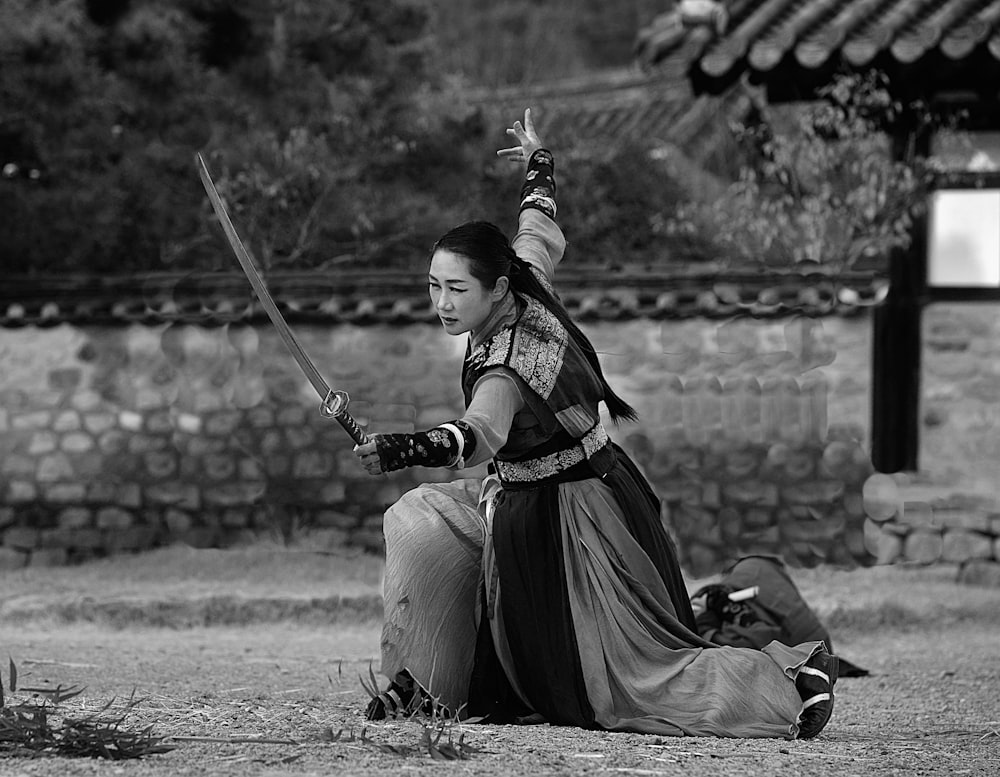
334	404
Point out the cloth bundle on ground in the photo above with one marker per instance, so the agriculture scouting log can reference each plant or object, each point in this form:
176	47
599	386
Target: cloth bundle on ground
776	611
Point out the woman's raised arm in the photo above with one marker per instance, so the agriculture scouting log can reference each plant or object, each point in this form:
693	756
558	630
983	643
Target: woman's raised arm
539	240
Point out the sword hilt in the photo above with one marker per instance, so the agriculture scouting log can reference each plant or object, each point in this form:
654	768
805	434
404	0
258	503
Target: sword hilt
335	406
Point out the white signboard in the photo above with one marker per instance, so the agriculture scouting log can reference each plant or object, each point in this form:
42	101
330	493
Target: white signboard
964	239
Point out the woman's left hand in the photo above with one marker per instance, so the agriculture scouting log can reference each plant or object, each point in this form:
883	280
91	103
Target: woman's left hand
526	137
370	460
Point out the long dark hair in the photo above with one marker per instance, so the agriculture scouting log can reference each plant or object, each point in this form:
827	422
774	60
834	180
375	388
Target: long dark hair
490	257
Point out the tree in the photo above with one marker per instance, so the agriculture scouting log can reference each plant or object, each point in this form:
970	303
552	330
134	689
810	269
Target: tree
819	186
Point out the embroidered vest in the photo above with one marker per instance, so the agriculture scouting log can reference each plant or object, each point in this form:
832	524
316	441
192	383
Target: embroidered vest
542	353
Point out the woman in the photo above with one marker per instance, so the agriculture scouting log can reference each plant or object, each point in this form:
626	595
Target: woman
579	615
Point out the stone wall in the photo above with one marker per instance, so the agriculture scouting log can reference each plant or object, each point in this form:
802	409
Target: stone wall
114	439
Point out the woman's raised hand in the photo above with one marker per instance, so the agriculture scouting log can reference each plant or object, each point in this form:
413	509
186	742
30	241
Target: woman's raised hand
526	137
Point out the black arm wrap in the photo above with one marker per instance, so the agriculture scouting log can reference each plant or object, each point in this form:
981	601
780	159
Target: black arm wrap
436	447
539	188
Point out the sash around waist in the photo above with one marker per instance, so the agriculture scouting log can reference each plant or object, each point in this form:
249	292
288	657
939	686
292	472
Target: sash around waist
591	455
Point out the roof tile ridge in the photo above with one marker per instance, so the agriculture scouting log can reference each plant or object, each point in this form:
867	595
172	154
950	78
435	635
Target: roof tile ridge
964	37
768	51
723	54
863	46
927	29
813	50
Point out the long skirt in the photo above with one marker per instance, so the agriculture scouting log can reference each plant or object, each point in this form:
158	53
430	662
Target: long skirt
566	601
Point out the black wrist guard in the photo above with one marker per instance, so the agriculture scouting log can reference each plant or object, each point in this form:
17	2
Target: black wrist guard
539	189
443	446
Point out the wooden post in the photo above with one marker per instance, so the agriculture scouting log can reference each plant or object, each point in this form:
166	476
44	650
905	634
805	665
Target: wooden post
896	343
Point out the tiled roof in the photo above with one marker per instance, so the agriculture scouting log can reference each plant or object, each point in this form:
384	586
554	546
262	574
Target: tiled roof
607	106
764	37
363	298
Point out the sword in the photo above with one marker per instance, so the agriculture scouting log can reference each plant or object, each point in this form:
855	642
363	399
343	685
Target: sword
334	404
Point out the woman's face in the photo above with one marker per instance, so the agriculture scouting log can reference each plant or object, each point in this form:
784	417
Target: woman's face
461	301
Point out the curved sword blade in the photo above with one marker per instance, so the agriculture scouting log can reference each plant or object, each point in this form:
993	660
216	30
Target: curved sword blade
334	402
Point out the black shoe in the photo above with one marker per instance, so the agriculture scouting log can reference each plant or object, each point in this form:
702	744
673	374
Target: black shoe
815	683
393	701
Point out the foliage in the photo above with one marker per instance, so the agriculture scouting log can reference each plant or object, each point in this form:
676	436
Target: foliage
330	126
827	189
34	727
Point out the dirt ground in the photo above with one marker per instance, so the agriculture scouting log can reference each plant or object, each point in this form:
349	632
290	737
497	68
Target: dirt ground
930	707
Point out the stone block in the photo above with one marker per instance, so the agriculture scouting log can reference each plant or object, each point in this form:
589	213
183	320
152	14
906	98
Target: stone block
161	464
235	494
188	423
64	378
86	400
112	441
11	558
959	545
21	537
98	423
817	492
133	538
917	515
67	421
235	519
174	493
751	492
15	464
923	547
260	417
980	572
21	491
884	546
312	464
77	442
130	421
968	520
37	419
42	442
149	399
53	468
129	495
222	424
87	539
160	421
299	437
74	518
48	557
205	446
177	521
7	516
99	491
277	465
219	466
114	518
143	443
250	469
65	493
291	415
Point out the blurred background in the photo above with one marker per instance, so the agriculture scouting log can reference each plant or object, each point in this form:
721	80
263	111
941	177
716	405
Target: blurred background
776	240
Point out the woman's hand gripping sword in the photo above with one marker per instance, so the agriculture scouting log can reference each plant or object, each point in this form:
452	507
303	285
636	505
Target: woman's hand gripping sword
334	404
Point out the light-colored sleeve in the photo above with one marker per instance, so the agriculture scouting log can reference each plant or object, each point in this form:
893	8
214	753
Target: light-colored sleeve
539	241
495	401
